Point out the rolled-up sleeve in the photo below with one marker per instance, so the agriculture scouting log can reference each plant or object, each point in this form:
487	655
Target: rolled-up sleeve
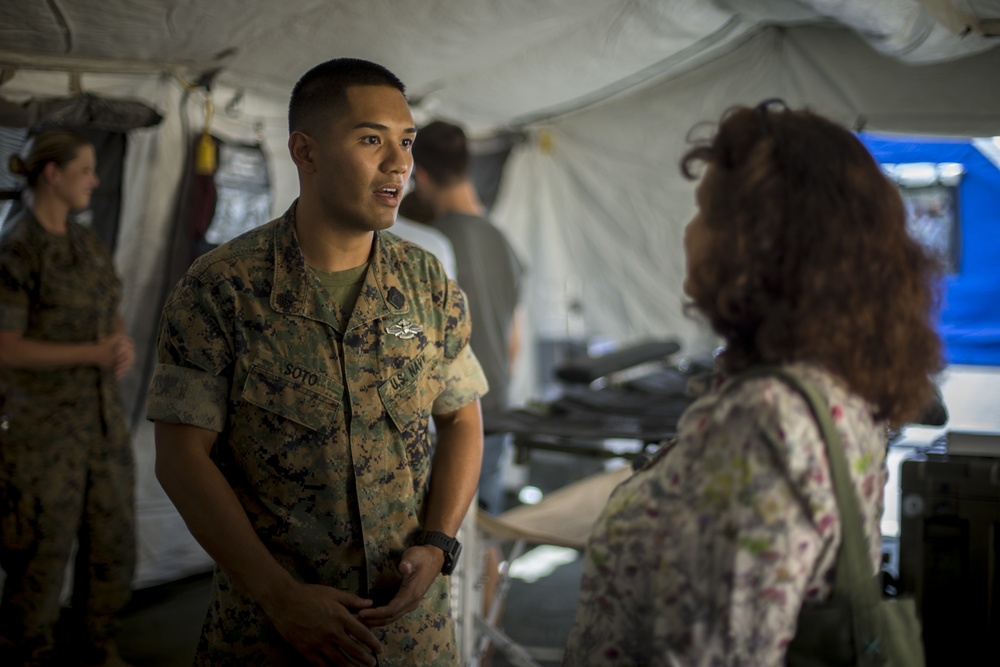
463	375
464	382
190	384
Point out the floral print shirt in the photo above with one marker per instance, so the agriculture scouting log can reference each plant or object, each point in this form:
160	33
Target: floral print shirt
705	556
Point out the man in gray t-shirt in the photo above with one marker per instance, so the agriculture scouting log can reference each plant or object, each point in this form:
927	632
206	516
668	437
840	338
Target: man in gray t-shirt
488	271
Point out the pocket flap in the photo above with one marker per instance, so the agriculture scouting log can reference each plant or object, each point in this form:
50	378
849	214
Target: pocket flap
293	391
410	392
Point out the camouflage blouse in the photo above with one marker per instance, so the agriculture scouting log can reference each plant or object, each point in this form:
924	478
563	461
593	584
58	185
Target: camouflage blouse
706	555
60	289
324	435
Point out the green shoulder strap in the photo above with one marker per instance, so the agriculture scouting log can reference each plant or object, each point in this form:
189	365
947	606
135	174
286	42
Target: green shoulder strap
854	579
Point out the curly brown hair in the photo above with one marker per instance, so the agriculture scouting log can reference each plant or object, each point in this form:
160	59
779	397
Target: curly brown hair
811	260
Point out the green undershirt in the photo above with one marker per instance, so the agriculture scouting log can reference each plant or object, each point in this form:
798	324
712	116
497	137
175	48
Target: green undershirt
344	288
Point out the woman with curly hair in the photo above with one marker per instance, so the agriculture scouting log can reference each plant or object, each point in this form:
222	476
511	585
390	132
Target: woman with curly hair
798	257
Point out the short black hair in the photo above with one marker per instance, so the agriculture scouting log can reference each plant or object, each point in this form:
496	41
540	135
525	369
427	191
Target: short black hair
323	90
442	150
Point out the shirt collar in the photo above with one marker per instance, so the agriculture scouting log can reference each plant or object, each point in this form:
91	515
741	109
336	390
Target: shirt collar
295	290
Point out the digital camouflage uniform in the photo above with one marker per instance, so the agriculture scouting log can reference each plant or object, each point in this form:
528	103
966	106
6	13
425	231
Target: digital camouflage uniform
65	456
324	436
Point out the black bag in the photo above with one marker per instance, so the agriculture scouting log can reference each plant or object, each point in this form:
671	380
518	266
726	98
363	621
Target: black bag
856	626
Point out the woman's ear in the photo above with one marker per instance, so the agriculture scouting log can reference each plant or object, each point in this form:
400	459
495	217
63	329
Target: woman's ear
50	173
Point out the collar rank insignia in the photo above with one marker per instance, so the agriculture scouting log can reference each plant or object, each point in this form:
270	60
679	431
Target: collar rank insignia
405	329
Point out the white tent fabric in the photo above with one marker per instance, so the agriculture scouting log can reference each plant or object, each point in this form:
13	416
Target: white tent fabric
605	92
487	63
596	202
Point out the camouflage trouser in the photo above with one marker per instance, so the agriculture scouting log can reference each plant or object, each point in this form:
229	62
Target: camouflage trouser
59	483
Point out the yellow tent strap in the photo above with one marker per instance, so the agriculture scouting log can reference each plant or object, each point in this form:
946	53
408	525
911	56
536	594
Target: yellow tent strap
205	156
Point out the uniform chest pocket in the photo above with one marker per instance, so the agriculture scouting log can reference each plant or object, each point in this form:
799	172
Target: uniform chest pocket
410	392
282	425
293	391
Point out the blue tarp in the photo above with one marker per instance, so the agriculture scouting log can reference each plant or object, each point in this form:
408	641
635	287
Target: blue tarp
970	317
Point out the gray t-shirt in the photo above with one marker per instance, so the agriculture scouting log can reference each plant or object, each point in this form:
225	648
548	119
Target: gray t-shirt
427	238
490	274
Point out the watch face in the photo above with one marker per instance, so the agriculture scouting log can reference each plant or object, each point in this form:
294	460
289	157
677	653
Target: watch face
451	558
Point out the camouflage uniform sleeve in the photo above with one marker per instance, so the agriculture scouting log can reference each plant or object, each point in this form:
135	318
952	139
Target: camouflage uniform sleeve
463	376
189	384
17	282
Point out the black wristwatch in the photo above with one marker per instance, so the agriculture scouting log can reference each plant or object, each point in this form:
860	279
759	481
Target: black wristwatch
449	545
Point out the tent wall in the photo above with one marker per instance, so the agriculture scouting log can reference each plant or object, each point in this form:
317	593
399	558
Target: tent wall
167	550
596	205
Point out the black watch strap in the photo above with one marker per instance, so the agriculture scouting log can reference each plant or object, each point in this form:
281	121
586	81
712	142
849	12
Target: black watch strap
451	547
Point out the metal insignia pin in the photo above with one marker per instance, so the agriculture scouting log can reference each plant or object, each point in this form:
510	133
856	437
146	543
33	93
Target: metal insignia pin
405	329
